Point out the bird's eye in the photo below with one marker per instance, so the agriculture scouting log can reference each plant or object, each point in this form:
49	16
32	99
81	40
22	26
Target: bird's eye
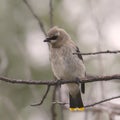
54	37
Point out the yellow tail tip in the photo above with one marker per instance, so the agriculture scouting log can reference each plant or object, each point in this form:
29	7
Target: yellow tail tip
77	109
72	109
81	109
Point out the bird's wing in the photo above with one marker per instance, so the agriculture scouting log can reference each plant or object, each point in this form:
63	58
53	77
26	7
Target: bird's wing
79	55
81	58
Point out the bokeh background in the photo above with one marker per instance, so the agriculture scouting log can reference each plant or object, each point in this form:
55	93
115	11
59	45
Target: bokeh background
93	24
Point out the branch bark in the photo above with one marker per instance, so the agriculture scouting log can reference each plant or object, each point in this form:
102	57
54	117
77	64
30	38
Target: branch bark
53	82
45	95
36	17
51	12
100	52
53	111
102	101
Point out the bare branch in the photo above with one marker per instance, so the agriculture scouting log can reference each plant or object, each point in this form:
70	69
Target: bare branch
90	105
85	80
53	82
36	17
104	108
58	102
101	52
102	101
51	12
53	111
45	95
61	107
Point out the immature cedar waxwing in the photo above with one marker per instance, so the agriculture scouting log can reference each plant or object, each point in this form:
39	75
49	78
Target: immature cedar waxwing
66	65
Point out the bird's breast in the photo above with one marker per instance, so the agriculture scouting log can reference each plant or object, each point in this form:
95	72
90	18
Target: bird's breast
57	63
65	65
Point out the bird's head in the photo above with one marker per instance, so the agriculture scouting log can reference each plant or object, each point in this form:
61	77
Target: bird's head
56	36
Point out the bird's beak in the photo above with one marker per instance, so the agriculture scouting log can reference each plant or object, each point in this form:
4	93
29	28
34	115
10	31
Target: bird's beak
47	40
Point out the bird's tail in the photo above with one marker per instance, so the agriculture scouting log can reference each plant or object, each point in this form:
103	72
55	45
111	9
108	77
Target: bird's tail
76	102
83	88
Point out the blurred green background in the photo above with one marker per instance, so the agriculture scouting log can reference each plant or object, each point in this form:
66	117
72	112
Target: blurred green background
93	24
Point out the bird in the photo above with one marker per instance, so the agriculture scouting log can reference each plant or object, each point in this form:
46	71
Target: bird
66	65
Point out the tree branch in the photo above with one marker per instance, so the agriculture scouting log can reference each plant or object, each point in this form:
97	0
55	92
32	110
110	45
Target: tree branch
36	17
102	101
45	95
101	52
53	111
51	12
53	82
90	105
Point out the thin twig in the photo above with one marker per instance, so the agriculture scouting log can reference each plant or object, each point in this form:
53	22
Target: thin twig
90	105
53	111
61	107
103	108
36	17
101	52
102	101
54	82
58	102
45	95
51	12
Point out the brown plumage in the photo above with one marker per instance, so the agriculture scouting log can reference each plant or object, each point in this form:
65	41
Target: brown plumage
65	65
